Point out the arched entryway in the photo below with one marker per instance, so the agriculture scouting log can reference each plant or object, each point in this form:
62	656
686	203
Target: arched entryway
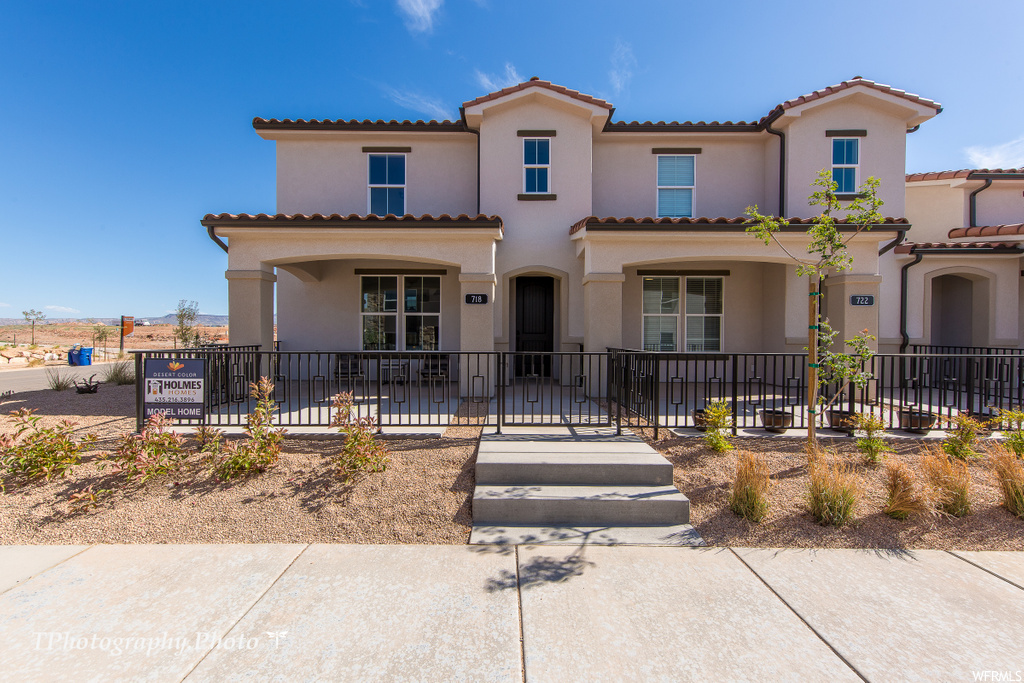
959	310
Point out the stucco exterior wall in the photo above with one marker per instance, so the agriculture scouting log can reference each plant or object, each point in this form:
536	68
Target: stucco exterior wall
329	174
934	210
536	232
882	151
728	173
325	315
1001	203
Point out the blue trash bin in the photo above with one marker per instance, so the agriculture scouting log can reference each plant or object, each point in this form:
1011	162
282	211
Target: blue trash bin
85	356
74	355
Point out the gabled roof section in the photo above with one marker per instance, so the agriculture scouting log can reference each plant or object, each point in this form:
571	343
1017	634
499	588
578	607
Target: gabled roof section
968	173
702	223
535	82
855	82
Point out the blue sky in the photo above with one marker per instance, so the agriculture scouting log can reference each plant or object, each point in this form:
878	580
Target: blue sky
123	123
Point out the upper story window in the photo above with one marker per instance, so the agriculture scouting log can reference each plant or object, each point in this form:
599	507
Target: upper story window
386	187
536	165
845	164
676	180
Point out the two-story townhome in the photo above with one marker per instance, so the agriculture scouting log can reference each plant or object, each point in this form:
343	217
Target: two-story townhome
958	274
537	222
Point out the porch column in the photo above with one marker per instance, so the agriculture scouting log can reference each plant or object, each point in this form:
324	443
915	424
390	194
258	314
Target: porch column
476	320
847	311
602	311
251	307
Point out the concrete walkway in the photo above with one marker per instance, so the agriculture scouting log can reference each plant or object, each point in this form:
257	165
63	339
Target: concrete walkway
487	613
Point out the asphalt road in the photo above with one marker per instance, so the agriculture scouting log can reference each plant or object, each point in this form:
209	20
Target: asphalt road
34	379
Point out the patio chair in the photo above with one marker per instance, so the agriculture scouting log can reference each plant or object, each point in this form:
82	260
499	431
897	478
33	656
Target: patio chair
434	367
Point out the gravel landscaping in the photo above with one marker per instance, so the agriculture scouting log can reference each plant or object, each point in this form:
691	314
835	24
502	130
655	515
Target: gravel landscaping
706	477
423	496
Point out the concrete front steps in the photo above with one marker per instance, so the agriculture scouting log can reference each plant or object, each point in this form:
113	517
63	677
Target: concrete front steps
576	487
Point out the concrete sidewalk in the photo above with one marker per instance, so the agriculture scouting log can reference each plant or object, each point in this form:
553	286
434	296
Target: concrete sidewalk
492	613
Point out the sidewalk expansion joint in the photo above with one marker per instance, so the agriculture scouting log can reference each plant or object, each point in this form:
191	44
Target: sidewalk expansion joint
246	612
55	564
519	608
800	617
989	571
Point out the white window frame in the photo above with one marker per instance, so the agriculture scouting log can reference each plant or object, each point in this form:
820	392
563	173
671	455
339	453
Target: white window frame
855	167
691	188
404	186
546	166
682	315
400	313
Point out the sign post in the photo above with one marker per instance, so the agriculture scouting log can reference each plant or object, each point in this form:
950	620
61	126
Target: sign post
127	328
175	388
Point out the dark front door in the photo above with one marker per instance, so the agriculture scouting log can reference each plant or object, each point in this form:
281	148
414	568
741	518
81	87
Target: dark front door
535	324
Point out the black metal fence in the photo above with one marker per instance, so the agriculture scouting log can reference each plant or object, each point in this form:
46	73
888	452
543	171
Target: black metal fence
937	350
622	388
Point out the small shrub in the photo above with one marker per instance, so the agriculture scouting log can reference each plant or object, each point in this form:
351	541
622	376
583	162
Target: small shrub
1009	470
871	445
1011	422
962	437
208	437
36	363
87	498
120	373
902	499
262	447
361	452
749	496
949	481
833	491
718	420
59	379
152	452
35	452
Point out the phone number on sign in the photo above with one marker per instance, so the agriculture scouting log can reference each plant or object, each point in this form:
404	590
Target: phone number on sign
175	399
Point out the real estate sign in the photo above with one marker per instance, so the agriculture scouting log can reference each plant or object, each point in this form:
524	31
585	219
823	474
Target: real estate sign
175	387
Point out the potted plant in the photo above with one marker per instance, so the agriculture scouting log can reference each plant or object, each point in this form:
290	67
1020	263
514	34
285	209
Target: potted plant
700	420
776	420
916	421
840	420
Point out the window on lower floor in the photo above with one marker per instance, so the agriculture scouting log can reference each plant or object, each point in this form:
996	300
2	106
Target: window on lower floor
698	321
417	324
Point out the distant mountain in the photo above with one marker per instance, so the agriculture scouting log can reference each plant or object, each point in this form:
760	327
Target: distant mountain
169	319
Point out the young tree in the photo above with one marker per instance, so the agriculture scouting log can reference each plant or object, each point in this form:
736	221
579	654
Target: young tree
33	316
826	253
186	332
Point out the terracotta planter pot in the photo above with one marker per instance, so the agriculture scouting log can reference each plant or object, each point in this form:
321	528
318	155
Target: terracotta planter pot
917	421
776	420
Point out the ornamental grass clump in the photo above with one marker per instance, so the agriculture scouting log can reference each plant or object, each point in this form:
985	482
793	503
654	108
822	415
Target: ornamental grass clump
362	452
1011	422
59	380
718	421
949	481
259	451
962	437
35	452
833	492
749	495
120	373
903	499
152	452
1009	470
871	445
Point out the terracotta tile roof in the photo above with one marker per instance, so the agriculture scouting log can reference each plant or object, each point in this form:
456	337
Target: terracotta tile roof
537	83
336	220
355	124
858	81
913	247
640	223
987	231
685	126
962	173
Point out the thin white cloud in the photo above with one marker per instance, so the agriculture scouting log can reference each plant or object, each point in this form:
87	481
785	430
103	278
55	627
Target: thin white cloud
419	14
494	82
3	305
62	309
623	64
431	106
1007	155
